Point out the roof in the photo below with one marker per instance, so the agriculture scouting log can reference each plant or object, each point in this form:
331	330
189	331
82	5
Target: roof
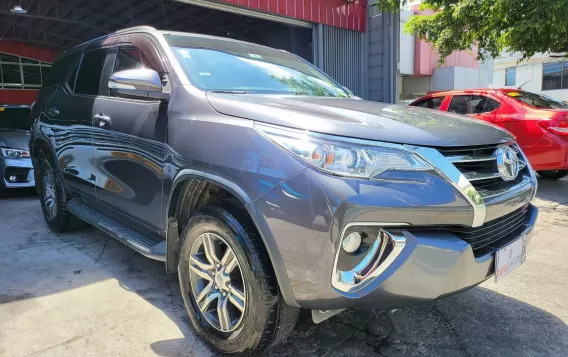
61	25
473	90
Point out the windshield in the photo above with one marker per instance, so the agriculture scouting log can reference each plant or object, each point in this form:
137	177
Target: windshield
14	118
537	100
234	66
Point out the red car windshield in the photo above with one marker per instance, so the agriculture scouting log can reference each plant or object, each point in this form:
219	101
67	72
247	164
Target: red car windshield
537	100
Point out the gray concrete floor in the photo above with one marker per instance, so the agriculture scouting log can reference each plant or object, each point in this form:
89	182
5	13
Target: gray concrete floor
84	294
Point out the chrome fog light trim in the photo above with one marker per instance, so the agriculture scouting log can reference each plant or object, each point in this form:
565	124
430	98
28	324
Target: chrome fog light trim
372	264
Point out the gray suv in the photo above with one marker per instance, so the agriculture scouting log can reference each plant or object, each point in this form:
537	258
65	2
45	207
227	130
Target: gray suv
267	187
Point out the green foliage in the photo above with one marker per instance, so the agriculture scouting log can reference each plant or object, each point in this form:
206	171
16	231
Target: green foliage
525	26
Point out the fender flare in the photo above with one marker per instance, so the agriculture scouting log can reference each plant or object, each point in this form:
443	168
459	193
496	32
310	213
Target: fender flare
254	213
40	137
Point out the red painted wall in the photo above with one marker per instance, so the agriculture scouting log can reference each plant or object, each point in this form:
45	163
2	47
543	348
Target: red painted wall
350	15
23	96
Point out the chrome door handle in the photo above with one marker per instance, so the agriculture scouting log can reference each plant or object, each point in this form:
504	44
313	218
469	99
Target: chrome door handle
101	120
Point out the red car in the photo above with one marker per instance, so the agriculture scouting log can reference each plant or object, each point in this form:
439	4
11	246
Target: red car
539	123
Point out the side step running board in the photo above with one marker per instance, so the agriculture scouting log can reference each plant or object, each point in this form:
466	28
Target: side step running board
152	248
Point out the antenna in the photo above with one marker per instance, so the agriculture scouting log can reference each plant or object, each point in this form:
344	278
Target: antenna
521	86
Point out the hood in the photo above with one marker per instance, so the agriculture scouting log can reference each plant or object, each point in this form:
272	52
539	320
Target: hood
15	139
361	119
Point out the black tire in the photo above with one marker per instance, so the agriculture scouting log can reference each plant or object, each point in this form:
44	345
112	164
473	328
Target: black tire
63	220
266	319
553	174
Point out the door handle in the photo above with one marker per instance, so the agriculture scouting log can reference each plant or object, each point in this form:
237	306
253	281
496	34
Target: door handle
101	121
53	112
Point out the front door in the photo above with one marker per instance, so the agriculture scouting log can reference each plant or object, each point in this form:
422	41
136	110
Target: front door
129	144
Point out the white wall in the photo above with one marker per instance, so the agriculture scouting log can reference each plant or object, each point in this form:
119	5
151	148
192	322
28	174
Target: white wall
407	46
531	72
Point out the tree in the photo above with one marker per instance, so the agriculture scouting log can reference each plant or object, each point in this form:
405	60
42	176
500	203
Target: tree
494	26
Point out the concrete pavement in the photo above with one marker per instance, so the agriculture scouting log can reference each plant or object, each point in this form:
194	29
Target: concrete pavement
85	294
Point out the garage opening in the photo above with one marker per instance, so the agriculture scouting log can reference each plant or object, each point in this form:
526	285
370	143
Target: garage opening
294	39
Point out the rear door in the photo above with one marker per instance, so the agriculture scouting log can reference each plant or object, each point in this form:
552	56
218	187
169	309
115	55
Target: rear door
69	116
130	136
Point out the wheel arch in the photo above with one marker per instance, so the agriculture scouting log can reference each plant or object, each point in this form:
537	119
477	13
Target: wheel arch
174	229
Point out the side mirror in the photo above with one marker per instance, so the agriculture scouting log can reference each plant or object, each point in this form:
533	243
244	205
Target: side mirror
143	83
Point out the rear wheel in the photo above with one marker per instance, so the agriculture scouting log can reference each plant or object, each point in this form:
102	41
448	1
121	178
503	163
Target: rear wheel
553	174
53	199
227	283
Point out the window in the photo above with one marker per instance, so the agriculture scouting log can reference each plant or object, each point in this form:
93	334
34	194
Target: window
129	58
234	66
430	103
22	73
510	76
537	100
555	75
89	75
472	104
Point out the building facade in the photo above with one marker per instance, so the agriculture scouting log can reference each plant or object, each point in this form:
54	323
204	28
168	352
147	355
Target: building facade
543	73
420	72
349	40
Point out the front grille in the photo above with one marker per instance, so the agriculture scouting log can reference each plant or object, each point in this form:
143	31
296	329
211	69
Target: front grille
479	165
491	233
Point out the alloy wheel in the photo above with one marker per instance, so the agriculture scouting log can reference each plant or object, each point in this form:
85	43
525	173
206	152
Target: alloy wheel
217	282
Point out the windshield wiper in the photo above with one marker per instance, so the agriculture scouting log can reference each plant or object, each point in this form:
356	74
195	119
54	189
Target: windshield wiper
232	91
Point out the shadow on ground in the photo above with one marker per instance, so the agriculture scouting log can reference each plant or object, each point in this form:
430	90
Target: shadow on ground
552	190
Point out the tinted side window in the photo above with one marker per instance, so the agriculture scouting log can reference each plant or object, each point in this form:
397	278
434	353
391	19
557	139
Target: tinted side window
459	104
129	58
62	71
490	105
89	75
431	103
472	104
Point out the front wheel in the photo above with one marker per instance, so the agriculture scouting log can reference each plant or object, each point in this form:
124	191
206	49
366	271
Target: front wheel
227	283
553	174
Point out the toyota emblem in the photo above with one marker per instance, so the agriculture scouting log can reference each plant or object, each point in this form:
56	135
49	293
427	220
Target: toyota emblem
507	162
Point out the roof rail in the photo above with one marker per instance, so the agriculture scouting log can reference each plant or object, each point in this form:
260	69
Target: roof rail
142	27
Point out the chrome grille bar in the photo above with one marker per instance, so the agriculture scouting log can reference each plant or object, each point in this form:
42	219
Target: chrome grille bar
469	158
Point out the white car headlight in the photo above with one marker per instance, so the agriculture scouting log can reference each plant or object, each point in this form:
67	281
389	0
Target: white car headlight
344	156
14	153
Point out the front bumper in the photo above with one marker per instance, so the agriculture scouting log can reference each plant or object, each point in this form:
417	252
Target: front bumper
306	216
436	264
22	169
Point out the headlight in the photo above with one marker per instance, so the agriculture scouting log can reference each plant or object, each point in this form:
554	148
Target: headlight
15	153
344	156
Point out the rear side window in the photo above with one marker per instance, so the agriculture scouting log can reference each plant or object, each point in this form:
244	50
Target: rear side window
63	70
472	104
89	75
430	103
537	100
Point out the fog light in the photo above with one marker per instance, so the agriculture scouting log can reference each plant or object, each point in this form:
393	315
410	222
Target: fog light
12	178
352	242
